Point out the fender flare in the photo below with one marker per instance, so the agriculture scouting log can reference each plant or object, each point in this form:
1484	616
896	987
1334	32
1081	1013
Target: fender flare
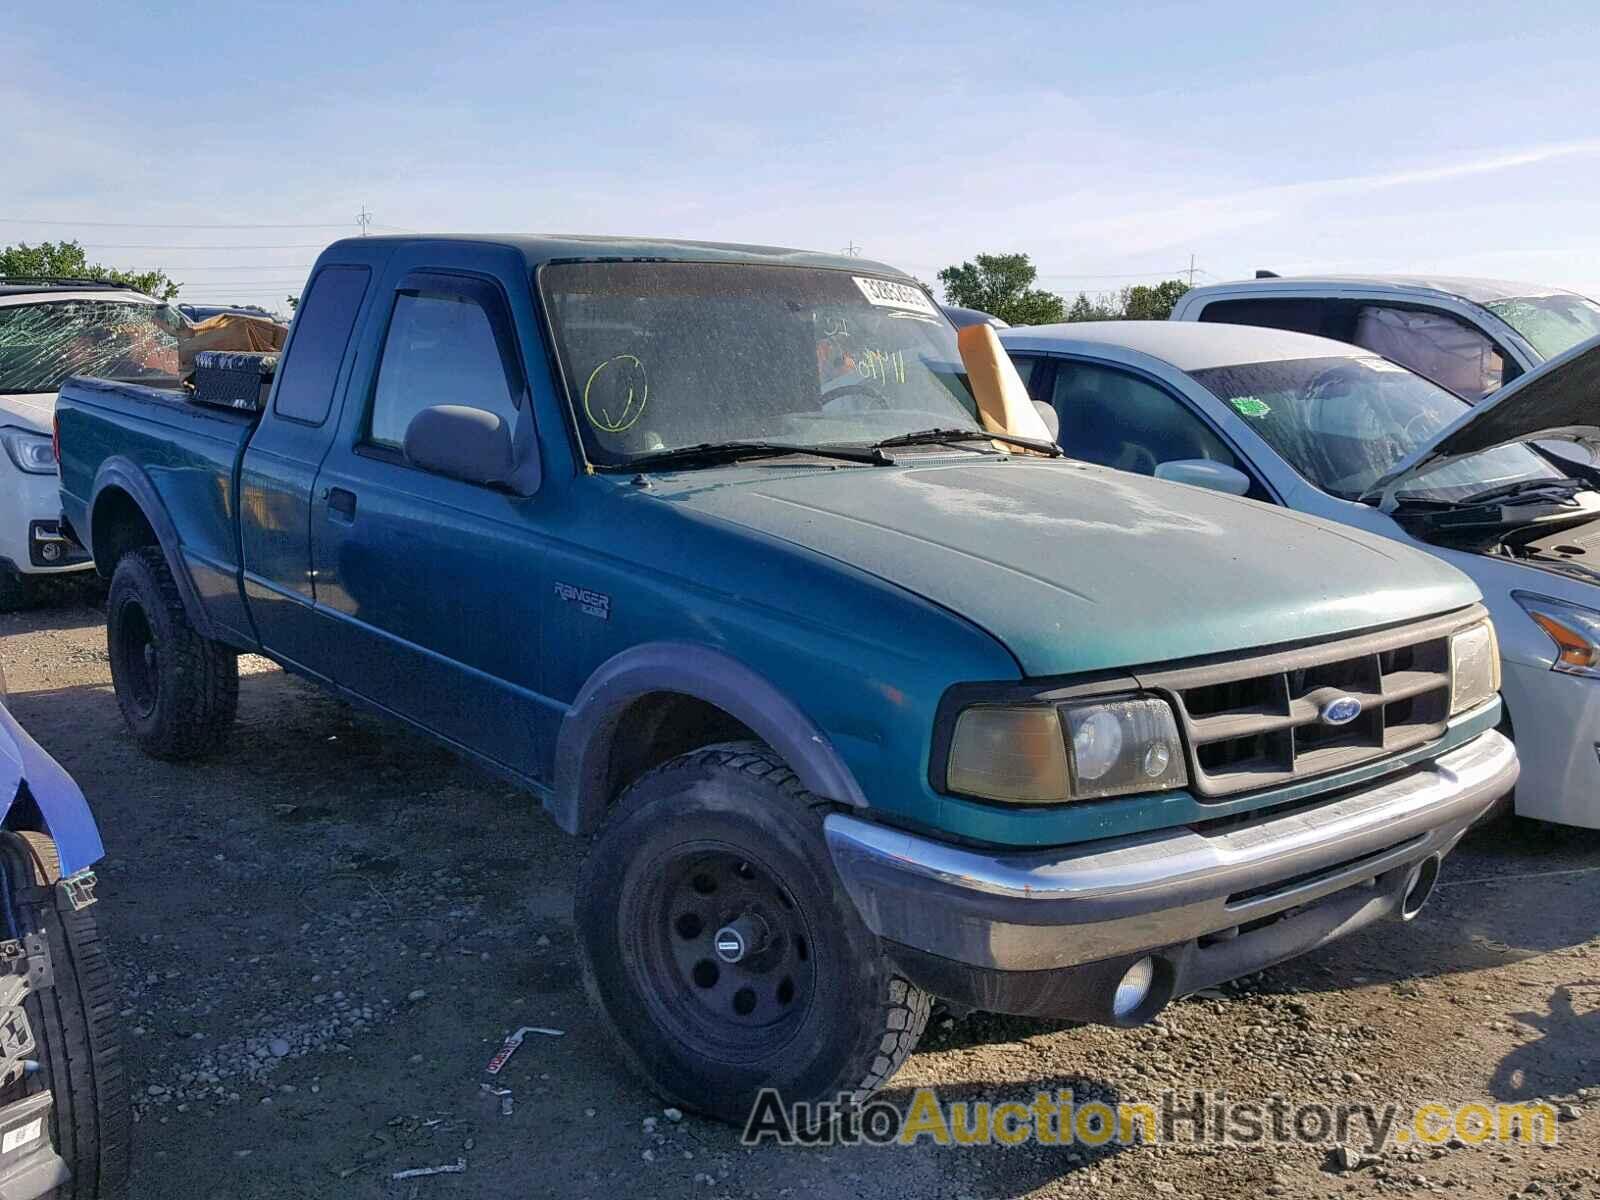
123	473
592	725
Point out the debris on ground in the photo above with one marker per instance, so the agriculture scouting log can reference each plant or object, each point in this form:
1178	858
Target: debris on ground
509	1046
456	1168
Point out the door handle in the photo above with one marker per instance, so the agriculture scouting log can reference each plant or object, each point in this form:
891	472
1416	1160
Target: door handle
342	504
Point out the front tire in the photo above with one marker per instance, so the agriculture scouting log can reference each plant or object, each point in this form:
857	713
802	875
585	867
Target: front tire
178	691
718	944
74	1023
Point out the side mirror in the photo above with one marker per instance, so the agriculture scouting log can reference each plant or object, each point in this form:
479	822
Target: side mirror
1202	472
464	443
1051	419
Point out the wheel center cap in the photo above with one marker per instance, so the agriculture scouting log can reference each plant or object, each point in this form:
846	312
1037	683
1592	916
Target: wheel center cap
738	939
730	944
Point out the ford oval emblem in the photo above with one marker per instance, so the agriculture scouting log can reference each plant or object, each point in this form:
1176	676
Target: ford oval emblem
1341	710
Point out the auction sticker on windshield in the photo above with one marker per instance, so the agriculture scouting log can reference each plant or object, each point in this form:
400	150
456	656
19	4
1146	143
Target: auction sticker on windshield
888	293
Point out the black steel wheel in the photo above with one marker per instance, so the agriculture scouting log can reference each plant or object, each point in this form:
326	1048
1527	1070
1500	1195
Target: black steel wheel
723	952
723	955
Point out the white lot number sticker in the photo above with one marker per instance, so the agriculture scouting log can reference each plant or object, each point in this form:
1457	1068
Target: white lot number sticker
21	1135
889	293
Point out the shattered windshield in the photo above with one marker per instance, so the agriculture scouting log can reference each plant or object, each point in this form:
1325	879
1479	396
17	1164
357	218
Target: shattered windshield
42	343
1550	324
1344	423
663	355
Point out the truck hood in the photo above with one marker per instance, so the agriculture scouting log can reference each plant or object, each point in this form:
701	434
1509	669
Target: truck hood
1078	568
1558	400
33	411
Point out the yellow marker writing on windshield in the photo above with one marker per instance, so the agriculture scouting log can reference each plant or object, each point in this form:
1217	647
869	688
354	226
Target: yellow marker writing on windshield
617	403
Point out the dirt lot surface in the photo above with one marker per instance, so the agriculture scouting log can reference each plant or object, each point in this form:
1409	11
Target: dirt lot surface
323	933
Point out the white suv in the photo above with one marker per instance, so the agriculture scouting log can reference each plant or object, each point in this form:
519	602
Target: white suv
50	329
1468	335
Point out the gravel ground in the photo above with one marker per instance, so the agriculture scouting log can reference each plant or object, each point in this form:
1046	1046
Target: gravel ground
323	933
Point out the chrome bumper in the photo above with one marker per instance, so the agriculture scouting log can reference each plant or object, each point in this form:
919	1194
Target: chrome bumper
1033	911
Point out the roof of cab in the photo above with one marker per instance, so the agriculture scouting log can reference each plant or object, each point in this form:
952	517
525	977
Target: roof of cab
539	250
1477	291
1187	345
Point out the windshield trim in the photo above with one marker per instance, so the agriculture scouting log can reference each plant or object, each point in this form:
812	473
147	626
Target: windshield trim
558	368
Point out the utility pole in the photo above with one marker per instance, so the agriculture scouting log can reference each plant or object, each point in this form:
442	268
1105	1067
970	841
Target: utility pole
853	250
1191	270
363	219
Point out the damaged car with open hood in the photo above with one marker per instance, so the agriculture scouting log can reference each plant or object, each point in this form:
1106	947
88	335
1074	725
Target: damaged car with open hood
1337	431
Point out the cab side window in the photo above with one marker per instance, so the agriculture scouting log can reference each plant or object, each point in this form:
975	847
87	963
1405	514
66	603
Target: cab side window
441	349
1119	420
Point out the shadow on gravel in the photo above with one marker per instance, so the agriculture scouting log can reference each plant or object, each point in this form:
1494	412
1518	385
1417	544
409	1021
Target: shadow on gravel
44	618
1565	1059
1021	1169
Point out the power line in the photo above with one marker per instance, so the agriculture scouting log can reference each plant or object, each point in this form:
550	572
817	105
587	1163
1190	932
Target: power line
250	246
1124	275
169	268
155	225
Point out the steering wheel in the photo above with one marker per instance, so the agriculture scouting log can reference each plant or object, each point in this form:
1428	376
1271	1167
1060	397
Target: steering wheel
1406	428
858	389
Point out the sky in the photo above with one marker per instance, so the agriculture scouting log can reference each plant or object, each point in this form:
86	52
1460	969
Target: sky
1109	142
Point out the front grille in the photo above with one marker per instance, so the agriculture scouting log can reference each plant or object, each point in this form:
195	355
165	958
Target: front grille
1258	722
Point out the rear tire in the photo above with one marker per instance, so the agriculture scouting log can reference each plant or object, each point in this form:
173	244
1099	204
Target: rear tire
178	691
722	839
75	1026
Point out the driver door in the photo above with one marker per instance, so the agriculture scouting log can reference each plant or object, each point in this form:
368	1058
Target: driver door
432	582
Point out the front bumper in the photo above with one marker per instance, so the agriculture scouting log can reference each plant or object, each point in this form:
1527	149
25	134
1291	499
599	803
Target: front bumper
30	538
1556	718
1042	932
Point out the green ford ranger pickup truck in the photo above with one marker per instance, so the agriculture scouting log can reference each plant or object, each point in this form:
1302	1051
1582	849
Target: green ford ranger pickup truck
862	706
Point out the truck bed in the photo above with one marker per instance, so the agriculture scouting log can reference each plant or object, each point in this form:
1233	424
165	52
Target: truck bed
188	453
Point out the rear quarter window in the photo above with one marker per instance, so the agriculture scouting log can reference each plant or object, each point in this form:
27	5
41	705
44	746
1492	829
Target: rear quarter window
322	327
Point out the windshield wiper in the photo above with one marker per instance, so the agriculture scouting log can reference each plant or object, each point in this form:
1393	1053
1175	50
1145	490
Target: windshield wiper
1564	488
729	452
944	437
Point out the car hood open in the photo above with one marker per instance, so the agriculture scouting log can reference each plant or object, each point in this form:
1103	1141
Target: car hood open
1558	400
1078	568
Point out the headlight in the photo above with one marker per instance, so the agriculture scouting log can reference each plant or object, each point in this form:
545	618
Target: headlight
1474	667
1575	631
30	451
1123	746
1044	754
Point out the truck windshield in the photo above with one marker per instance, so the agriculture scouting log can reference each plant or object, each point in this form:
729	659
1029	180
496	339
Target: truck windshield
43	343
1550	324
663	355
1344	423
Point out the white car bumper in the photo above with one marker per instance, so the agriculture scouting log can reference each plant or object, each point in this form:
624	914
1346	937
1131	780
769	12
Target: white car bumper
1555	719
30	507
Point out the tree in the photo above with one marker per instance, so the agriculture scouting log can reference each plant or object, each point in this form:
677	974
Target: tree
1152	303
1098	309
1002	286
67	260
293	302
1139	303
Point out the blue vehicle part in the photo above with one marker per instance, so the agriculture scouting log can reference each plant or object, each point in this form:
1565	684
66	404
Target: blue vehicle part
23	762
590	731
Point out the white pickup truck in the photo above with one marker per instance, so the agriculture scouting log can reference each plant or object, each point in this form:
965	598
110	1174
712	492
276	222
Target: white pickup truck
50	329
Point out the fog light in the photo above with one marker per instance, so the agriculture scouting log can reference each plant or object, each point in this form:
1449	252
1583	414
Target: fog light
1133	989
50	551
